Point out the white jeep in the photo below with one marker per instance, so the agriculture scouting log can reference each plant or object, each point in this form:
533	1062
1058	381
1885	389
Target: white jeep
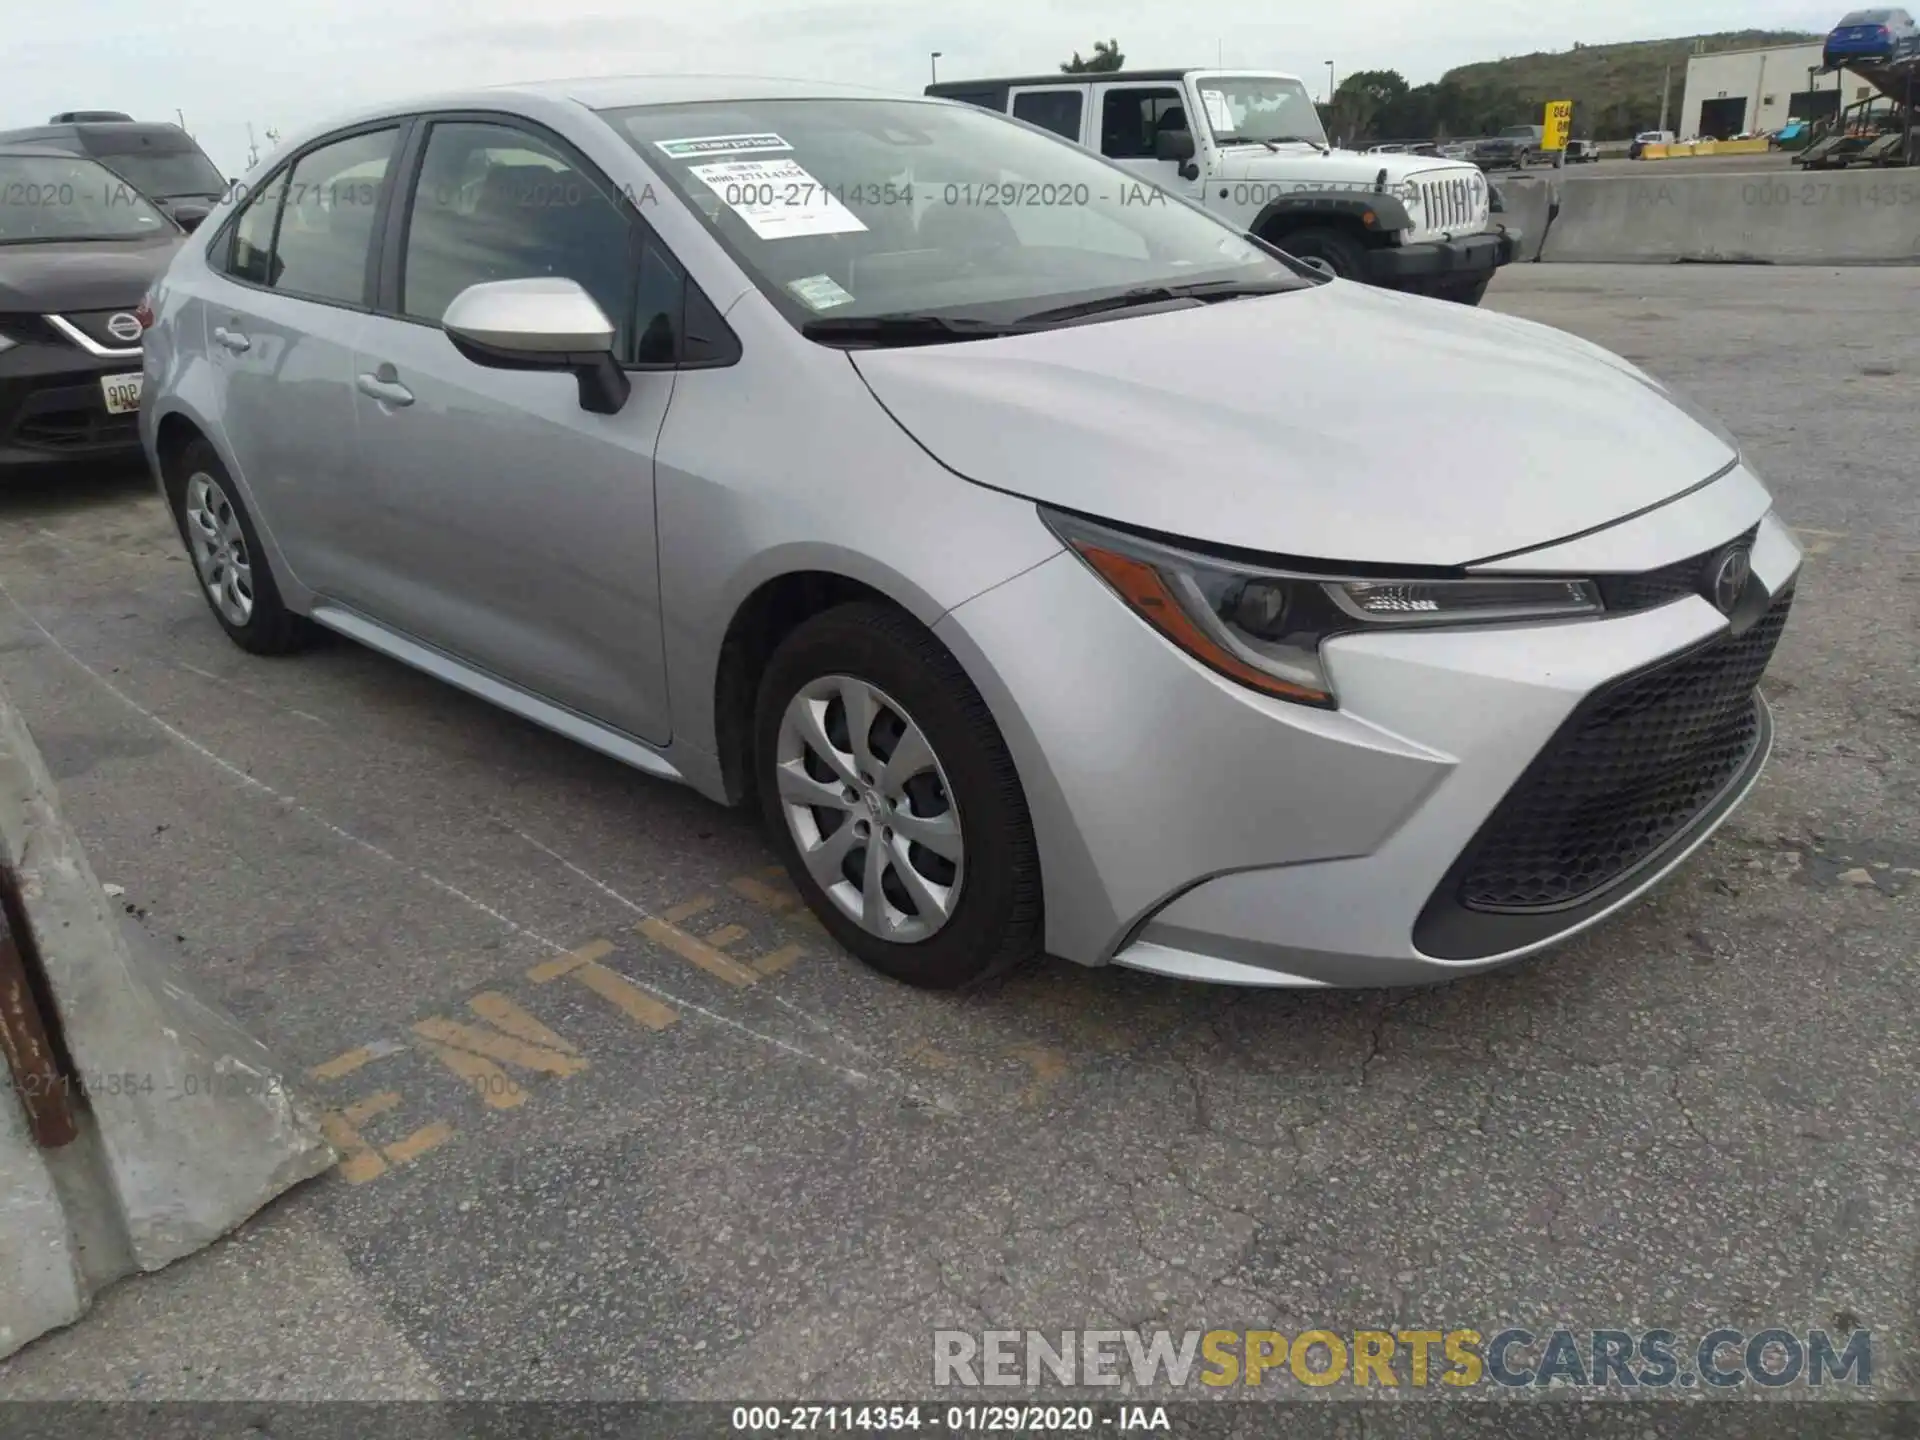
1256	155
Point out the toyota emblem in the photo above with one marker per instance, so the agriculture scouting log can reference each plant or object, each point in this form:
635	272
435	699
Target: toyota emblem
1727	578
124	326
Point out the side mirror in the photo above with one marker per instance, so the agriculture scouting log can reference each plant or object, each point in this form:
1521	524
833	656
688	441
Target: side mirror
540	323
1173	145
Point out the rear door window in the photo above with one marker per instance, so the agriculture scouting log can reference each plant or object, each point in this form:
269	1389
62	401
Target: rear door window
1055	110
327	217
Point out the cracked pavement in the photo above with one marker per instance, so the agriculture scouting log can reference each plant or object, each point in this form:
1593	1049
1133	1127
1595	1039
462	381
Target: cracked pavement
1705	1113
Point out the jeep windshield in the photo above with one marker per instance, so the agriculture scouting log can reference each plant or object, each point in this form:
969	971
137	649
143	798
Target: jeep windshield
1259	110
64	197
942	220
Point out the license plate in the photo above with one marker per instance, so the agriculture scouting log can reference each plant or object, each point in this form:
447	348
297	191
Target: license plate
122	392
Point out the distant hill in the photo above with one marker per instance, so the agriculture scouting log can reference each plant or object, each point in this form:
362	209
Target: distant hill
1615	89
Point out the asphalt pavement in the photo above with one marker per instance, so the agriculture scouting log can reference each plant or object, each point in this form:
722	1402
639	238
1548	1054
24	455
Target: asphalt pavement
620	1123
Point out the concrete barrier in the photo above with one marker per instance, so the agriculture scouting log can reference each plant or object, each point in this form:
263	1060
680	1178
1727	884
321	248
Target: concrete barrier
1686	150
136	1124
1870	218
1527	205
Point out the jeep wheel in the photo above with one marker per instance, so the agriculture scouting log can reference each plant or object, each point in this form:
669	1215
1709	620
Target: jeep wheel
1468	291
1331	251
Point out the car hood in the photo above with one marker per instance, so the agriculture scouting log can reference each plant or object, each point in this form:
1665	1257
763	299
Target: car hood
1337	423
48	277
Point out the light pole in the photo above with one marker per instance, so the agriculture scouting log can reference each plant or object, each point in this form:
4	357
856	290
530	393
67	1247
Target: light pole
1329	82
933	66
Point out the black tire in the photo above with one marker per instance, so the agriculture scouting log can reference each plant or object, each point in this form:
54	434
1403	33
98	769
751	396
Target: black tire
995	924
269	628
1341	252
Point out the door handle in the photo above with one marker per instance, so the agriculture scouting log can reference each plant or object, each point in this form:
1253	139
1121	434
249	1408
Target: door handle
387	392
232	339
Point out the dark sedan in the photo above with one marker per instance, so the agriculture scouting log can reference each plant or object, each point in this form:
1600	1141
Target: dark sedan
78	248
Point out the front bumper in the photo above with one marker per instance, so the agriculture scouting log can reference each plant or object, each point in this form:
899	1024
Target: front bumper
1192	828
1468	257
53	411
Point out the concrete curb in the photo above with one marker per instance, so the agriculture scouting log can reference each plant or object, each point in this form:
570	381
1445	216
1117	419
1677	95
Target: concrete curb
1529	204
185	1127
1761	218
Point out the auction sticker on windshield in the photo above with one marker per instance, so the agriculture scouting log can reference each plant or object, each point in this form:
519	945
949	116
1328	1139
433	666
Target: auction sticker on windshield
777	198
819	292
693	147
1218	115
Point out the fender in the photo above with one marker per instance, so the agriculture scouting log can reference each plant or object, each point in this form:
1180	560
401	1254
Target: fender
1307	206
193	397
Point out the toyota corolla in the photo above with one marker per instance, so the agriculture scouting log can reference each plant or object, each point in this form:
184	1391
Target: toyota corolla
1056	569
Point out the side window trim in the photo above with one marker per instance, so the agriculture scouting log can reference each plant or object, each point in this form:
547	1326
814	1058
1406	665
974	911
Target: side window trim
640	234
402	126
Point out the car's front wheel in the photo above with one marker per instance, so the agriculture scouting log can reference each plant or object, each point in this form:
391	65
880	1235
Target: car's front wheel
228	560
892	799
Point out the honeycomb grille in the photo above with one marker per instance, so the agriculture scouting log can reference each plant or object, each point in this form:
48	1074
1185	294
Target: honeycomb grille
1628	772
1659	587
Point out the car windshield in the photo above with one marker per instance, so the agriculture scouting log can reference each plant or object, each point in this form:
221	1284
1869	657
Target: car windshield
849	208
165	173
66	197
1253	109
1866	17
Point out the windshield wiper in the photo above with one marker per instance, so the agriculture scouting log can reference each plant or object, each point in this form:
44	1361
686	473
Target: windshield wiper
1159	295
1280	140
906	328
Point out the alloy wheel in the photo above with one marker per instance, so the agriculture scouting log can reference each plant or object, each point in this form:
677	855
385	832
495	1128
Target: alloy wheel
219	545
870	808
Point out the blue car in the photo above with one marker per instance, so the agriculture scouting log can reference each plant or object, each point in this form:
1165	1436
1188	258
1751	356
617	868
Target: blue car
1871	35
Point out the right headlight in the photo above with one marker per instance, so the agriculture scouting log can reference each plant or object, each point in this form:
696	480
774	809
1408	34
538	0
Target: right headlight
1264	627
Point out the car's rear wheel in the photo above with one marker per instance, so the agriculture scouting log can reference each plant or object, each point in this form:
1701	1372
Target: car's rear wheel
890	795
228	560
1330	251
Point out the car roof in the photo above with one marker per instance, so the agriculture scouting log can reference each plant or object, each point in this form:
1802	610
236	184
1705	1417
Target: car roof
946	88
95	130
593	92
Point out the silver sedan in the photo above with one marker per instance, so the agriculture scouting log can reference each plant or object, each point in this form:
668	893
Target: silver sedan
1057	569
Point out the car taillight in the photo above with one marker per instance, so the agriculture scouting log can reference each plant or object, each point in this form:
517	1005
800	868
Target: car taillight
143	312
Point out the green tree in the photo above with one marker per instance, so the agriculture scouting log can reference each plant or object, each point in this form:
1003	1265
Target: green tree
1106	57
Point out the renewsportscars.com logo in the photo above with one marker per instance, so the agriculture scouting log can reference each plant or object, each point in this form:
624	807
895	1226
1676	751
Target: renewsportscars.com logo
1510	1358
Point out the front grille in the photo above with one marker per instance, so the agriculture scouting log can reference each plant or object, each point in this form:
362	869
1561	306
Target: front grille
93	324
1453	202
1629	771
1669	583
72	417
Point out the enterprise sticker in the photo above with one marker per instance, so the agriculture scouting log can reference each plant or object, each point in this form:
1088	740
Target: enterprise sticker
695	146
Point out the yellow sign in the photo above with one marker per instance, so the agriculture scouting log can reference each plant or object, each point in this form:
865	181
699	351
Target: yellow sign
1559	125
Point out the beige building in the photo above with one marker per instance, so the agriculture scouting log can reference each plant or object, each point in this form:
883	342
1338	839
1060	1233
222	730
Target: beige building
1733	92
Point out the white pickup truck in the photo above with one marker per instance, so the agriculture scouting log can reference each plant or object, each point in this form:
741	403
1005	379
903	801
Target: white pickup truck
1248	145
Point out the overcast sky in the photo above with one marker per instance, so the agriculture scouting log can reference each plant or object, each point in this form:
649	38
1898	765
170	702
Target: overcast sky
293	63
